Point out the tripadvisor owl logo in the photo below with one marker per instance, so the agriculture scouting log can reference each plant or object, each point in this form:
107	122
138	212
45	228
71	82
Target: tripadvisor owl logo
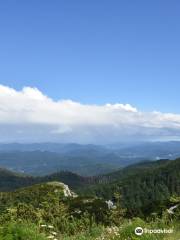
139	231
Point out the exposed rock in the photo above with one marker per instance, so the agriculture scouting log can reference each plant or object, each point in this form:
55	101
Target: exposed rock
67	192
110	204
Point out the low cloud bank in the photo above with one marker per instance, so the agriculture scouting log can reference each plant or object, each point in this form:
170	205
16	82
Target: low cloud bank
28	115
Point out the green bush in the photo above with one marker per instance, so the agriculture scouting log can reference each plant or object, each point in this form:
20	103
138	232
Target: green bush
21	231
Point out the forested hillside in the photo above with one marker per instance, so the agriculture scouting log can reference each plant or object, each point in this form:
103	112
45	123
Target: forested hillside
144	187
10	181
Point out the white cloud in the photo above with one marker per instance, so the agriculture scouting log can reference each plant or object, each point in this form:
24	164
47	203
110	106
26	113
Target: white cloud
29	115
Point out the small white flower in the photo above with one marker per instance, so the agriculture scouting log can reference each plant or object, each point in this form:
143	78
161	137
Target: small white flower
50	226
171	209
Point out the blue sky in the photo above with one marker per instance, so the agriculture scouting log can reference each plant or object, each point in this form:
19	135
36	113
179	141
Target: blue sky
94	52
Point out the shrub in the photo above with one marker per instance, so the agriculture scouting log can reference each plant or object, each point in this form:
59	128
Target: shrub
21	231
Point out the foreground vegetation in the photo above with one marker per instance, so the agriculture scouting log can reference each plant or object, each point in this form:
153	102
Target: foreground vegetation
145	195
43	212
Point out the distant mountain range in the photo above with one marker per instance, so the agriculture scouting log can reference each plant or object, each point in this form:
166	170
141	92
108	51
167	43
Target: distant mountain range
86	160
43	162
